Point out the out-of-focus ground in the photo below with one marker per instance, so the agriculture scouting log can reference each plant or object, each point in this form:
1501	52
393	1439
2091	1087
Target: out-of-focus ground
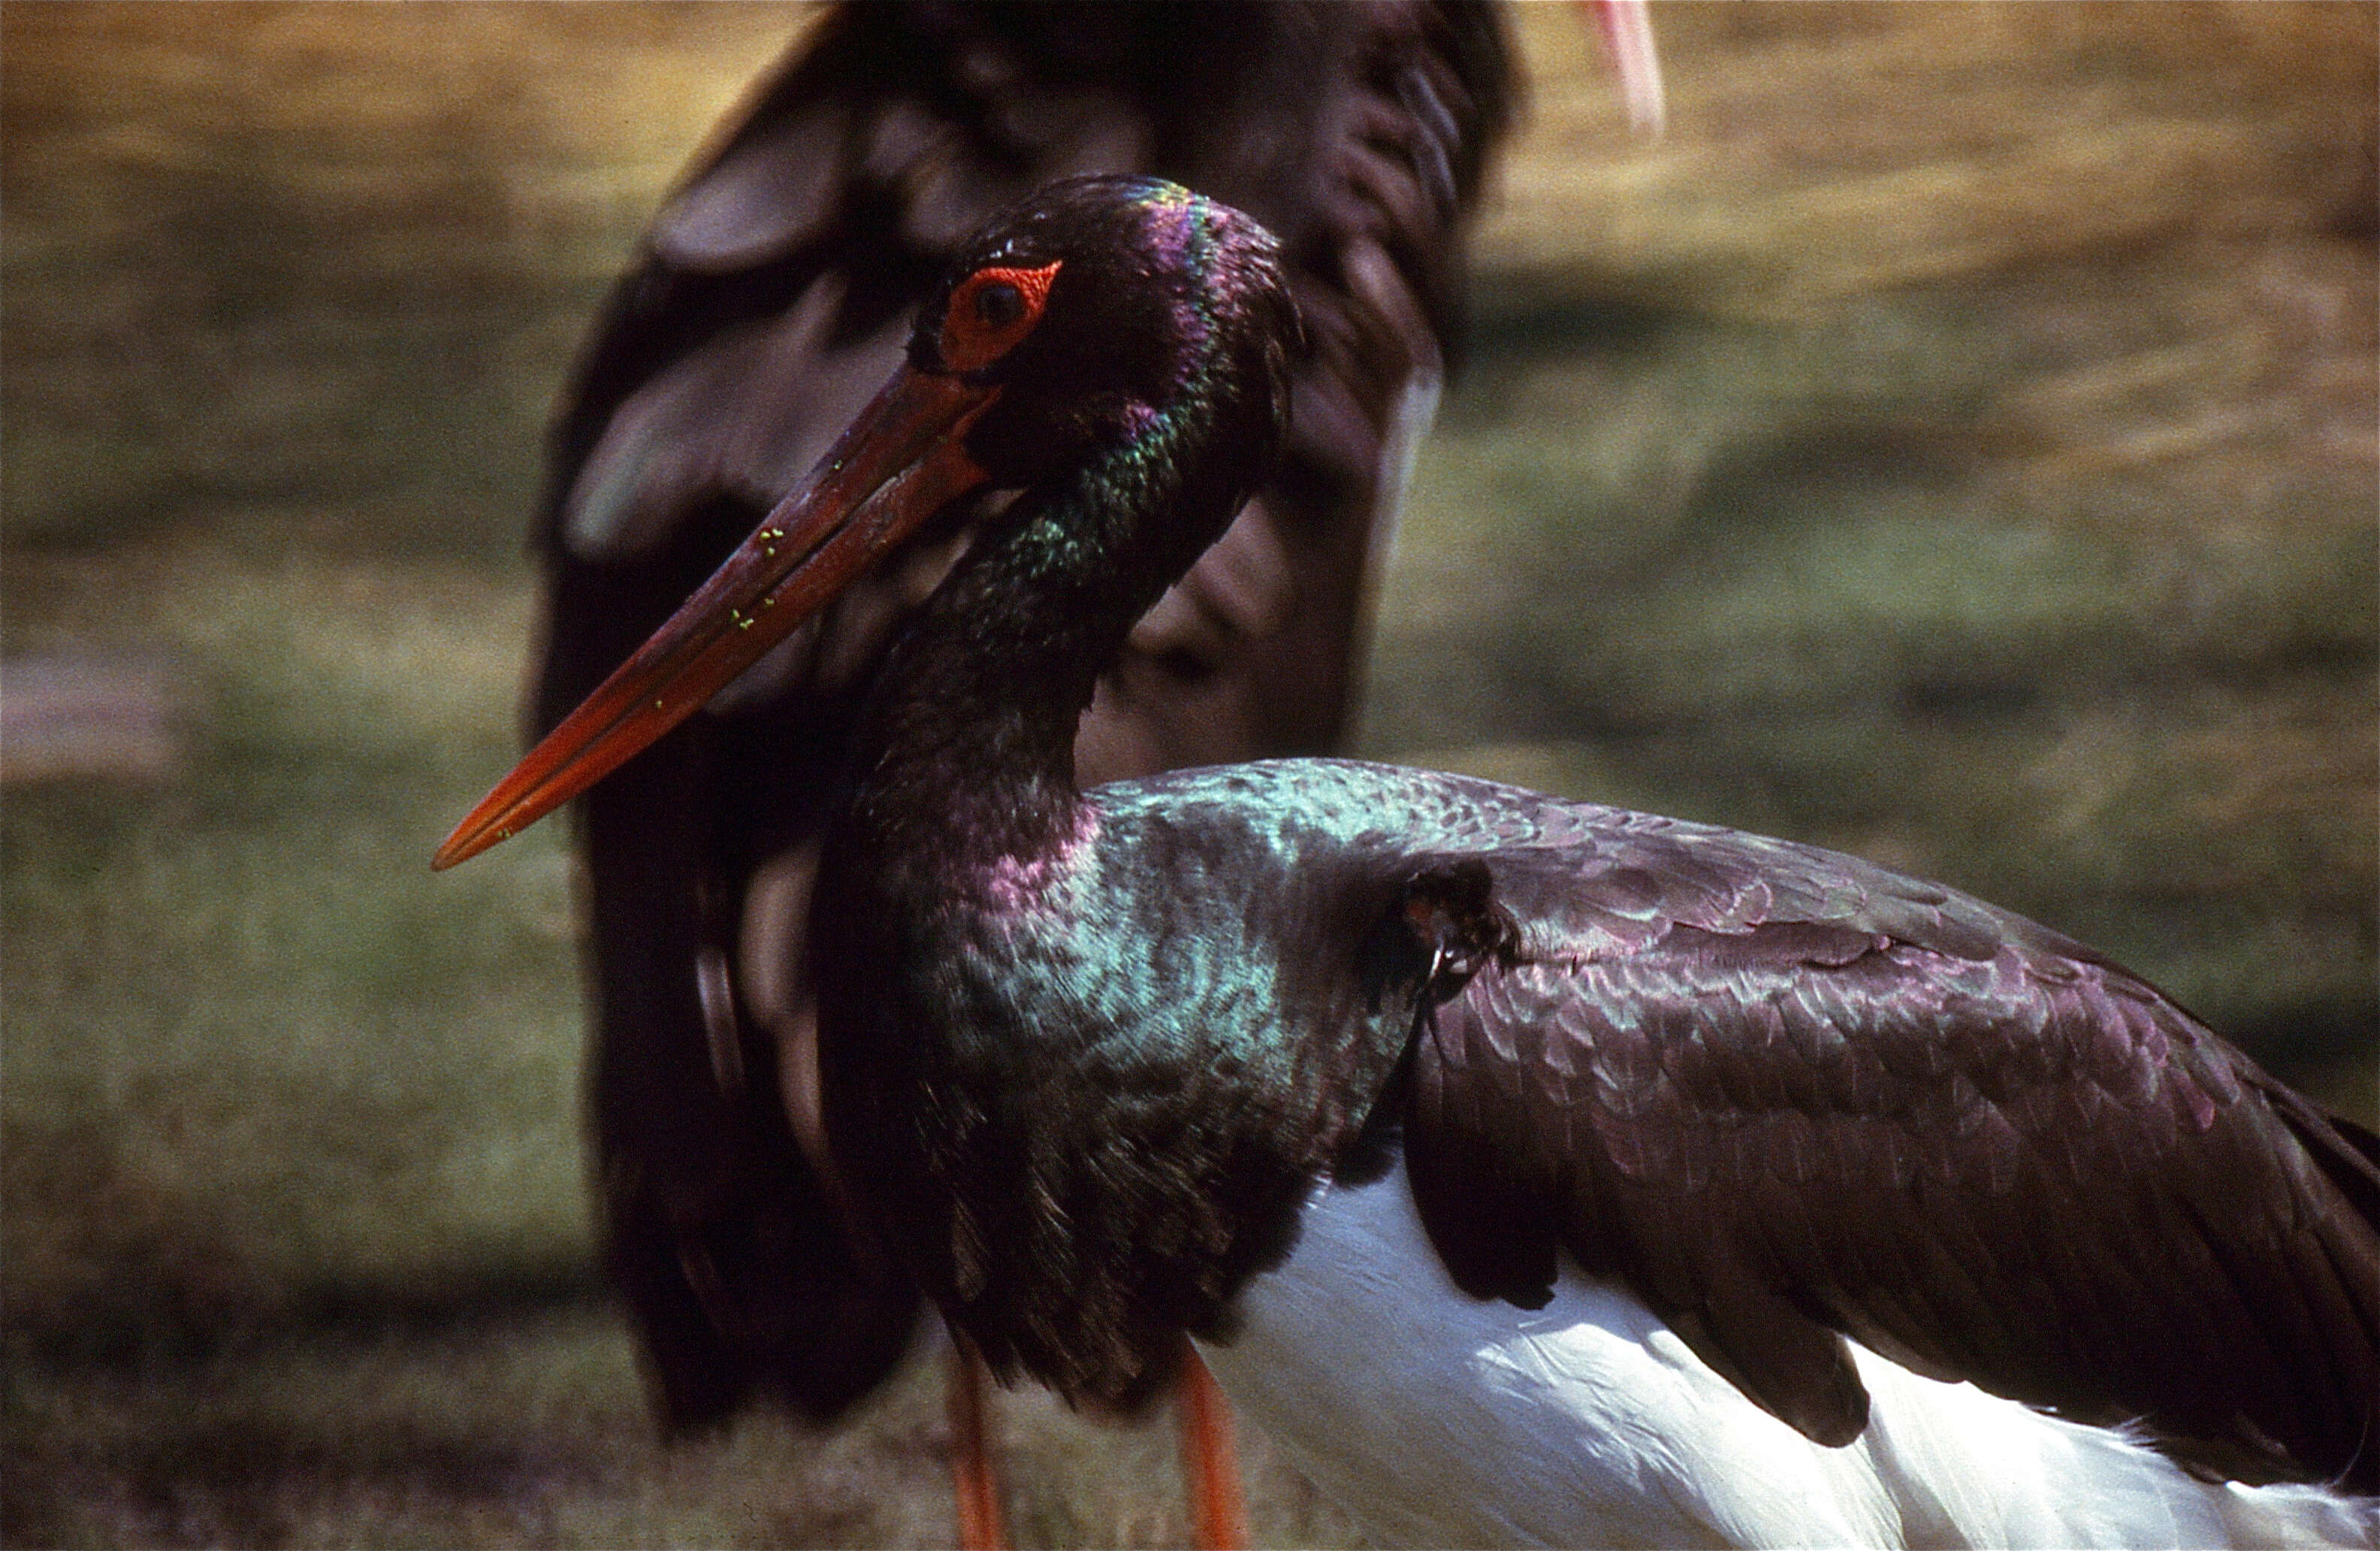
1956	443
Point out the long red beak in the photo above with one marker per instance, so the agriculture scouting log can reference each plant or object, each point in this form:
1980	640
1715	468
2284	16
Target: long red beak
903	459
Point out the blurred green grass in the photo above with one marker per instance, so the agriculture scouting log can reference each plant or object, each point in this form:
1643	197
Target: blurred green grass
1955	442
242	988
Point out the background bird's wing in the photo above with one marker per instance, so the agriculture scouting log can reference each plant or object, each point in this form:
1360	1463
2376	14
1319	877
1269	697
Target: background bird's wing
1788	1097
775	290
771	297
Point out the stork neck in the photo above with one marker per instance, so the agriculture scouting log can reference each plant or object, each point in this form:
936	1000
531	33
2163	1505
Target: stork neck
967	745
967	742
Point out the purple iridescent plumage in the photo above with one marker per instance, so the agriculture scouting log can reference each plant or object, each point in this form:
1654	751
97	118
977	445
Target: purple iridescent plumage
1783	1095
1800	1140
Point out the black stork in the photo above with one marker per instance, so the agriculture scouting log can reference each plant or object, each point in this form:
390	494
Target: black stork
772	295
1534	1171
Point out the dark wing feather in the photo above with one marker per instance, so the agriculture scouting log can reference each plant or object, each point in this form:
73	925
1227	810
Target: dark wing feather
1788	1098
770	299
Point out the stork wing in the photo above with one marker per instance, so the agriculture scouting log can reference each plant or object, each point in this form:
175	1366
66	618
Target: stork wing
1786	1097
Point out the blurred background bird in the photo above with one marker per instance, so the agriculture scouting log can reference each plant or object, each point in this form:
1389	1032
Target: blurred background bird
1951	443
773	297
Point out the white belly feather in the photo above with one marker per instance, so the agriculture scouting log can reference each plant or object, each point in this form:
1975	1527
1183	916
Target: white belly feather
1436	1419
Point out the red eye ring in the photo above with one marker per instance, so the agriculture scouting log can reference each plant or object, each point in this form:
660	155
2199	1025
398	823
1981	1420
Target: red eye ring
971	338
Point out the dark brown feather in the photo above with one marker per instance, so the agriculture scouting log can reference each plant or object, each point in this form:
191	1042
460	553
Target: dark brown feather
1789	1098
770	301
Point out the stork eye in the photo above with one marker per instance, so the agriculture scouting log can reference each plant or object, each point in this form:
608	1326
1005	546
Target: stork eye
990	311
998	304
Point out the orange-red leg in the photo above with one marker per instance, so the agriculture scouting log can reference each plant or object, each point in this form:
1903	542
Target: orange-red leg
980	1528
1210	1459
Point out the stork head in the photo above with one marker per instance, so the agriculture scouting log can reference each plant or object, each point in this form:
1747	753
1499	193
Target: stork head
1121	339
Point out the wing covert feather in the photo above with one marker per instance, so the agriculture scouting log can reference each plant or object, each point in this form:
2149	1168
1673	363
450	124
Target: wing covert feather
1788	1097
